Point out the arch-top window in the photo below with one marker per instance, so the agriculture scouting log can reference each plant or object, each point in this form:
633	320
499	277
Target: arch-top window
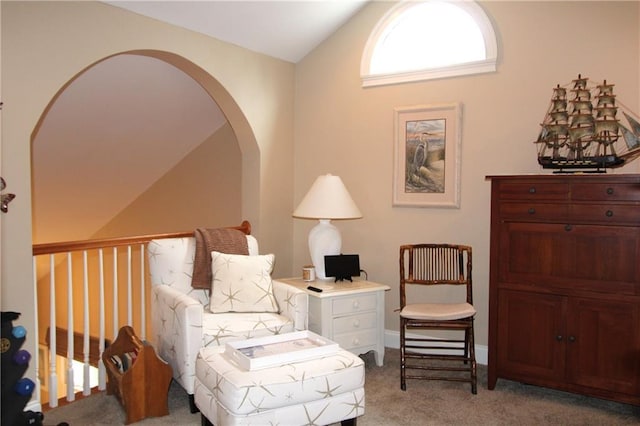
427	40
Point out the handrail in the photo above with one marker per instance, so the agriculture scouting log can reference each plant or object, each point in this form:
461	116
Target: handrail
63	247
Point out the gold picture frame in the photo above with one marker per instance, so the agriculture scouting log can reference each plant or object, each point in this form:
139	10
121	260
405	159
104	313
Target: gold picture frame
427	147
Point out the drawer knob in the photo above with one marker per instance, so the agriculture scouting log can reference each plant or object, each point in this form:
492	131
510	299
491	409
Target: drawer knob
356	341
356	323
531	210
568	228
609	213
532	190
609	191
572	339
559	337
356	304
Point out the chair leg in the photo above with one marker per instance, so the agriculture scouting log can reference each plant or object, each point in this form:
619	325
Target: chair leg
472	355
192	404
204	421
403	372
466	345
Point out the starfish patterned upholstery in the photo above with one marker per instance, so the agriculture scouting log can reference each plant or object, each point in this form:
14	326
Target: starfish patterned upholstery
181	321
318	391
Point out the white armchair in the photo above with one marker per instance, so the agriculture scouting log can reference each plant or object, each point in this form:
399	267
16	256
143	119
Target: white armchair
182	323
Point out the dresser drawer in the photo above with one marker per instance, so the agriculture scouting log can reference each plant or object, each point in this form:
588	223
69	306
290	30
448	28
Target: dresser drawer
534	211
603	213
605	191
357	339
351	323
533	191
352	304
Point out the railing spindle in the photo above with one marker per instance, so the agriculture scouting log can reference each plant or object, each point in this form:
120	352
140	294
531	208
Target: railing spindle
129	289
143	310
102	380
115	292
70	342
53	376
86	331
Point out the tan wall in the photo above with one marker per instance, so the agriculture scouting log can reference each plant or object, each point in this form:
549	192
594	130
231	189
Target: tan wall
203	190
346	130
45	44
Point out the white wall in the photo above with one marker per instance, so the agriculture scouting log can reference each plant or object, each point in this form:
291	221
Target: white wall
346	130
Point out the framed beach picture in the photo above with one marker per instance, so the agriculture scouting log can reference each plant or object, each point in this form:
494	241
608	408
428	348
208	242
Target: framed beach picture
426	170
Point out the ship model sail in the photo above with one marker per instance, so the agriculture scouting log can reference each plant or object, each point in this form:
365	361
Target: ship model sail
581	129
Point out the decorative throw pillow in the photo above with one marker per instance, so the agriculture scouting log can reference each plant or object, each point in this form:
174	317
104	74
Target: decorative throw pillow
242	283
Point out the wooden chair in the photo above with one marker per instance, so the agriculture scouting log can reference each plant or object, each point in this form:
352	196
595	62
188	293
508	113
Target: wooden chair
428	265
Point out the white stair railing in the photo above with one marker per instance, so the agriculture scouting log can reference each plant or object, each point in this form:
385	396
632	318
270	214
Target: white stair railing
89	296
84	341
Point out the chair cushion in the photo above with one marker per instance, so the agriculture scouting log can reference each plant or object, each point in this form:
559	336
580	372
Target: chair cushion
438	311
242	283
217	329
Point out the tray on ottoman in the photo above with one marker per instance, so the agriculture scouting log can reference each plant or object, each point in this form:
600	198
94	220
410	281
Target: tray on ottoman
269	351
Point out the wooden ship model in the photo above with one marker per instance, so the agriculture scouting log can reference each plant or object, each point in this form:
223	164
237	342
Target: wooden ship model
582	131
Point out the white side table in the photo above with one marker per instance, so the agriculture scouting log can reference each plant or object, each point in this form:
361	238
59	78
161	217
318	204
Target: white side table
349	313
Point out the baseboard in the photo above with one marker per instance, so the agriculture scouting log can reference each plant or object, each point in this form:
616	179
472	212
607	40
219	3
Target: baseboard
392	340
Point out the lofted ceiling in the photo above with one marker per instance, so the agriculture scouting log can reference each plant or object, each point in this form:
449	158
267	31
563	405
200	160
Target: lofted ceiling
286	30
136	105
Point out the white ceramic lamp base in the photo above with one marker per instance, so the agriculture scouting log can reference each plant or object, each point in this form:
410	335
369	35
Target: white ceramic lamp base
324	240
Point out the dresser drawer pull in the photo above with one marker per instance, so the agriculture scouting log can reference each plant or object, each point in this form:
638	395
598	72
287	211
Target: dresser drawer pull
559	337
609	191
532	190
609	213
568	228
531	210
356	341
572	339
356	304
356	323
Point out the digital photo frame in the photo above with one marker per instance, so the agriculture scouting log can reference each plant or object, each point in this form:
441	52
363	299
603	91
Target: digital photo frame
342	266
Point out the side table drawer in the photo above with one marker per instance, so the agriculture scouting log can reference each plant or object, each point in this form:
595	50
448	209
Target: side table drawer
352	304
357	339
352	323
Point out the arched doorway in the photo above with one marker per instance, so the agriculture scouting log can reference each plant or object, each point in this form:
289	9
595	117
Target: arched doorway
117	167
156	108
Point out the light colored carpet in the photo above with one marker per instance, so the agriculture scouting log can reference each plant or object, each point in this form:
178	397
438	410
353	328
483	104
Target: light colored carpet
423	403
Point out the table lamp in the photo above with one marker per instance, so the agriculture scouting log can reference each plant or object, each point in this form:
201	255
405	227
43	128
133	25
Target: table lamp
327	199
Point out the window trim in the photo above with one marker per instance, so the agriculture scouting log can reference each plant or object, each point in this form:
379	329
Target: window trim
468	68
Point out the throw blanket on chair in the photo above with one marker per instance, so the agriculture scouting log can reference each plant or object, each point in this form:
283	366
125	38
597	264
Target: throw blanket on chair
224	240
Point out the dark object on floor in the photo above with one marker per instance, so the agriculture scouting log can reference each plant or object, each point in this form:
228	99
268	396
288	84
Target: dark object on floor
16	390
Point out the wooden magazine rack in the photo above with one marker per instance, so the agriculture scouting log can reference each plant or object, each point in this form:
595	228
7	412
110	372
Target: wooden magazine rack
137	376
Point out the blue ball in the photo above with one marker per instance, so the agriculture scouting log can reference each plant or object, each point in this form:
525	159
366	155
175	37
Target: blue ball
25	386
19	332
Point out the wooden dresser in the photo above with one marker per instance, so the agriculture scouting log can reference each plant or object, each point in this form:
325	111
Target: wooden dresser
564	295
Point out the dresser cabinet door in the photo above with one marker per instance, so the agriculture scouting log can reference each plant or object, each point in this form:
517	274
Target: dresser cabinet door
577	257
603	344
531	335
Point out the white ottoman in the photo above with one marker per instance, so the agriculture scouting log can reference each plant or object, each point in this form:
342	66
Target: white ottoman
318	391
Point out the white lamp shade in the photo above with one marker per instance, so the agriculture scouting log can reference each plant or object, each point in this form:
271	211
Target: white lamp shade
328	198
